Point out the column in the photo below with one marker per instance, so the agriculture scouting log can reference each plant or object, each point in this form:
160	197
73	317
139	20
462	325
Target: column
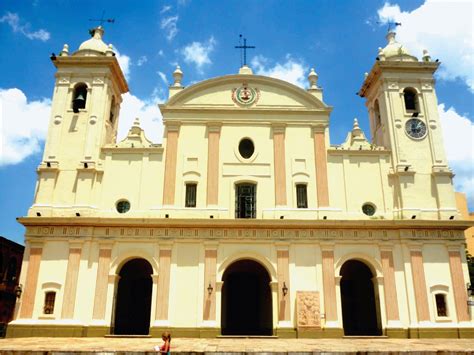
210	261
163	291
321	166
329	284
459	287
419	285
279	164
390	287
31	282
283	273
102	281
213	138
70	286
172	133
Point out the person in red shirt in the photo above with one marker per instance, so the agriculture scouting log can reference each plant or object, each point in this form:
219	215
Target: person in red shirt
165	348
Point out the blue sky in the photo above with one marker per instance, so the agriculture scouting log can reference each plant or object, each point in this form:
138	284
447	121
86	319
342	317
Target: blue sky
338	38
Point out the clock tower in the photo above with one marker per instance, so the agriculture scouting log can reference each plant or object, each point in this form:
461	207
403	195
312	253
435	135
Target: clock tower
403	114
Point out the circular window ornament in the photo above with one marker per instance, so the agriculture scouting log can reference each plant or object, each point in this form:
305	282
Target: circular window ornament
122	206
415	128
368	209
245	95
246	148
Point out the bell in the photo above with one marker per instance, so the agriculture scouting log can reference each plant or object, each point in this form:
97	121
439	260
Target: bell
78	102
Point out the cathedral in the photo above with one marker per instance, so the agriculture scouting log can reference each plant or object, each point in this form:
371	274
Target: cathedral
246	220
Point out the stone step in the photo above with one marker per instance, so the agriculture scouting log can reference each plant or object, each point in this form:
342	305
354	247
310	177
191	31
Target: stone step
235	346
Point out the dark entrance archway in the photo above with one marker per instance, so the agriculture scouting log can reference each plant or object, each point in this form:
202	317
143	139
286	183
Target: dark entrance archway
133	303
359	302
246	300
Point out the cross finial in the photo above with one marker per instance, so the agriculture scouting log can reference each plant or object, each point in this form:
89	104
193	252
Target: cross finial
102	20
244	47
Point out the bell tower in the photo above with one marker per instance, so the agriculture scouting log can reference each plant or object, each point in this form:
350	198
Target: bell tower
403	113
84	117
86	102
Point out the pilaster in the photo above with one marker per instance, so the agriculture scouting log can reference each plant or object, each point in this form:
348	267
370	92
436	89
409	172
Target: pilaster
279	157
172	133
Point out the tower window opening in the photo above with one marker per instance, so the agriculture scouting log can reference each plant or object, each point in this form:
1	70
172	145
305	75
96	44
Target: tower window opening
301	196
190	195
377	118
411	102
49	299
79	97
441	308
112	110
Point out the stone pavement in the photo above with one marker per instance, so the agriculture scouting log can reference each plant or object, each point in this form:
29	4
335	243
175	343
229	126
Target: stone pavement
183	346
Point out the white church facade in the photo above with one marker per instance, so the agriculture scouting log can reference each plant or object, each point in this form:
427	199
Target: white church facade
246	220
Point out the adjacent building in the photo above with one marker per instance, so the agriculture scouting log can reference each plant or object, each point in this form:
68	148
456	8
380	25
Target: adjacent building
11	256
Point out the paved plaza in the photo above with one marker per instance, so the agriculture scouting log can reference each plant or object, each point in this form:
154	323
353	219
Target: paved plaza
237	345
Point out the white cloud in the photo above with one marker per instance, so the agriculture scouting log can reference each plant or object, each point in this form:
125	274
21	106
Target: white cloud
170	25
197	53
146	110
165	8
292	70
161	53
142	60
124	61
444	28
23	125
13	20
458	135
163	77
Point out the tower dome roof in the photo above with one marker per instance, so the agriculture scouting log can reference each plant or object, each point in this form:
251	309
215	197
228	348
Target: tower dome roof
94	46
395	50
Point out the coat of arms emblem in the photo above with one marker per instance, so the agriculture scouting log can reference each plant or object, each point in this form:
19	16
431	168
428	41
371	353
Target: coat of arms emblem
245	95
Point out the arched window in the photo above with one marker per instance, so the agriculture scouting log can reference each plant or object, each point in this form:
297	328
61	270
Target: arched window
378	120
245	200
79	97
11	272
441	308
301	196
49	299
411	101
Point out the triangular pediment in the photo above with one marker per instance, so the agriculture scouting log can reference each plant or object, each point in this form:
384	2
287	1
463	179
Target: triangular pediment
245	92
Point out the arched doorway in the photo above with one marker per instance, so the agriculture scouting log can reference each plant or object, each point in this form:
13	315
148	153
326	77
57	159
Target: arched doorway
359	301
246	300
133	303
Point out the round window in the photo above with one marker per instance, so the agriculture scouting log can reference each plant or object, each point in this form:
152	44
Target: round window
368	209
246	148
123	206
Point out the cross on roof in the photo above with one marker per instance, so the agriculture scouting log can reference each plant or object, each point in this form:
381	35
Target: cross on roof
102	20
244	47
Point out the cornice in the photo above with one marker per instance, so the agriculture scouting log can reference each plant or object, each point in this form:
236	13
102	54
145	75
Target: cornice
397	66
81	61
127	150
245	223
334	151
239	110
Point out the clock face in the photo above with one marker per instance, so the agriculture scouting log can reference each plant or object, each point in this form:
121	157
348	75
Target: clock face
415	128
